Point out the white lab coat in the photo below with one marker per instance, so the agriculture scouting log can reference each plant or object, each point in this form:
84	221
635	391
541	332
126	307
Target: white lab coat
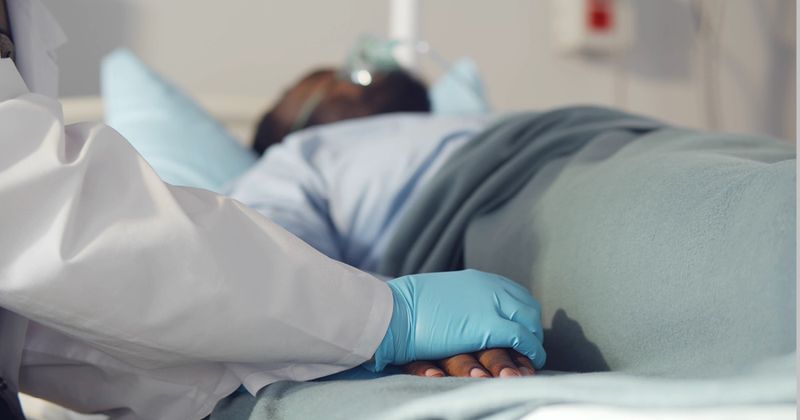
145	299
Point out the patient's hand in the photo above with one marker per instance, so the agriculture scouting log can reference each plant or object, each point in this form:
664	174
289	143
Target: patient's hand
483	364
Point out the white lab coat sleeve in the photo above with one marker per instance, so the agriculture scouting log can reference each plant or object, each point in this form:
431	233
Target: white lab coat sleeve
96	246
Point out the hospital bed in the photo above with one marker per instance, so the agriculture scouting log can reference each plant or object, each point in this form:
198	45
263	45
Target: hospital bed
766	390
663	259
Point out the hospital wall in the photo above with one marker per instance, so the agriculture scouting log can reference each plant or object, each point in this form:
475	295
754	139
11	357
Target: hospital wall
257	47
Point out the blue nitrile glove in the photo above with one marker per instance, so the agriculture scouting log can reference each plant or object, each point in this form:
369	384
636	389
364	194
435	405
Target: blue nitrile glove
439	315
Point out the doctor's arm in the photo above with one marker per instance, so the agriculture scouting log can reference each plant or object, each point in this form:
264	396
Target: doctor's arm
97	246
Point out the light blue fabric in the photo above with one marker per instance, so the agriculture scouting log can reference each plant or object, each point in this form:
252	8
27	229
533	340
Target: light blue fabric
427	326
183	143
460	91
341	187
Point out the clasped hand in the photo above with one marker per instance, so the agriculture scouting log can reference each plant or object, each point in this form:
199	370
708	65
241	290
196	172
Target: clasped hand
483	364
438	315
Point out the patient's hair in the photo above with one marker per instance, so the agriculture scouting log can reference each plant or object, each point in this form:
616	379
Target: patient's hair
323	96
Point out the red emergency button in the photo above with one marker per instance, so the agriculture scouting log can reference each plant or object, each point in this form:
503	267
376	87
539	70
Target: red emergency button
599	15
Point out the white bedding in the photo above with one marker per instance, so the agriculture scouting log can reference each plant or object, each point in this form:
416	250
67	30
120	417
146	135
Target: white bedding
36	409
600	412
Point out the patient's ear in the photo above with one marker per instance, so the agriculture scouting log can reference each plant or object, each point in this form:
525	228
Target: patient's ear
268	132
279	120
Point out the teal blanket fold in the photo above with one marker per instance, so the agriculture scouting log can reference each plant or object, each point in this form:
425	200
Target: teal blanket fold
487	172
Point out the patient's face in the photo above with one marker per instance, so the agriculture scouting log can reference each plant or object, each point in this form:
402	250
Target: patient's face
324	97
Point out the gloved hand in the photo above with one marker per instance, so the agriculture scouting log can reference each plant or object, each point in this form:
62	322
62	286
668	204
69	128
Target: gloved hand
438	315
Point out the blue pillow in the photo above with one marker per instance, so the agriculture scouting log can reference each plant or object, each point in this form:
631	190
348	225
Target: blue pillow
459	91
182	142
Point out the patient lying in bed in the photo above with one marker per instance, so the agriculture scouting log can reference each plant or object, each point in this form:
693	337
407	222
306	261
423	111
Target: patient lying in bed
343	188
654	250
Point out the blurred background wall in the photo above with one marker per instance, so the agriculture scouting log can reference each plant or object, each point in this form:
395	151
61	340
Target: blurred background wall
258	47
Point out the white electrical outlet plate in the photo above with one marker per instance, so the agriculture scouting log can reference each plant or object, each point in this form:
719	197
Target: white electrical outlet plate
592	26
